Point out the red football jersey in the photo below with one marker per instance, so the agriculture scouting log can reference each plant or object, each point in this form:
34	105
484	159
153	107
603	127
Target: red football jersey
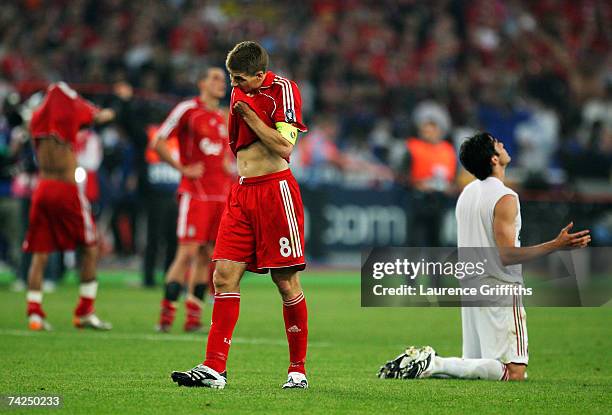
62	113
202	137
277	100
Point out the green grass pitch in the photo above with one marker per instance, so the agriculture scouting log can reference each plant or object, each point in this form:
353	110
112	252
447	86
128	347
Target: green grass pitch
127	370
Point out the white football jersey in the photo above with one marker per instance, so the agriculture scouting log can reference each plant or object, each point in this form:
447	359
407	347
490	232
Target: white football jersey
474	213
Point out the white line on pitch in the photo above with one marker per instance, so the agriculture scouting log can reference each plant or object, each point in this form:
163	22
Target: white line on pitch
149	337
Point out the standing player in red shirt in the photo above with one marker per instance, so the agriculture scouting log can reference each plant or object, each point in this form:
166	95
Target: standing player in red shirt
262	228
60	216
202	193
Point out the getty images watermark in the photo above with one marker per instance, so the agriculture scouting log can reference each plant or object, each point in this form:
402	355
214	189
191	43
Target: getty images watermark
475	277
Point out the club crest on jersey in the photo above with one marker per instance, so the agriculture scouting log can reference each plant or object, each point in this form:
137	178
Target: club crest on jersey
290	115
209	148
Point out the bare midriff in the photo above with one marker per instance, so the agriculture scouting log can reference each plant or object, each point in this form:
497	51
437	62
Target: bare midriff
258	160
56	159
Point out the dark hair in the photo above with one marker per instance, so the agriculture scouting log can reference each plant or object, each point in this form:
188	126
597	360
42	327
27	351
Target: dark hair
202	73
205	71
475	154
247	57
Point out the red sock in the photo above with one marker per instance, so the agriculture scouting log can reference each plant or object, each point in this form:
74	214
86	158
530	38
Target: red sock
35	308
84	307
224	317
193	310
87	291
295	314
34	299
168	311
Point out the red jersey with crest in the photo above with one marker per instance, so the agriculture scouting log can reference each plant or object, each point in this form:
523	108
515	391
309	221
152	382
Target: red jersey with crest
202	138
62	113
277	100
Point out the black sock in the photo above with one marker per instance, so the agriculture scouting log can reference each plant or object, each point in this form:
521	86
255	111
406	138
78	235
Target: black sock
199	291
173	290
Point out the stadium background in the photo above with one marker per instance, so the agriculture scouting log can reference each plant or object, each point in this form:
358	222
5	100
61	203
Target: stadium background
536	74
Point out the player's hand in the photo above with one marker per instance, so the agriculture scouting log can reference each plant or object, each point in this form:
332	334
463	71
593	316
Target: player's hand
193	171
104	115
567	240
243	109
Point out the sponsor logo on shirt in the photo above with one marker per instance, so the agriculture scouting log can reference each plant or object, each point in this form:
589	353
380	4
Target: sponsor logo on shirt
209	148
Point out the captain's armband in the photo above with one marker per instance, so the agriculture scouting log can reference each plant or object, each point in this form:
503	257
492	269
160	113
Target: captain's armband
288	131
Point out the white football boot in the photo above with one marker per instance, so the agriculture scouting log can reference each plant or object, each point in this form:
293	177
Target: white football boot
296	380
91	321
200	376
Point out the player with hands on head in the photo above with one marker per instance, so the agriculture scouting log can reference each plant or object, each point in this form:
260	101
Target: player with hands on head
60	215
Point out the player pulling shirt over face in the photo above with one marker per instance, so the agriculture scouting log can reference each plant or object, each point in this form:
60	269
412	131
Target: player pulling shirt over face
262	228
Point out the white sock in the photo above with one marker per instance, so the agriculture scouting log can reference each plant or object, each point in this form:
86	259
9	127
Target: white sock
89	289
489	369
34	297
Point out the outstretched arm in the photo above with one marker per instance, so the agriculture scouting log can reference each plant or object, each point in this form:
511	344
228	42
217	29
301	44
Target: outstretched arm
272	138
104	115
504	231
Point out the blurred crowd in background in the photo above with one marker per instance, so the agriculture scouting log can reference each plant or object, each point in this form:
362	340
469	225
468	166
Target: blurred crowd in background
377	79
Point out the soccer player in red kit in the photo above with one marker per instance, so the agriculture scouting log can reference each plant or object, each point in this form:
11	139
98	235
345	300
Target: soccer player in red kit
262	228
60	216
202	136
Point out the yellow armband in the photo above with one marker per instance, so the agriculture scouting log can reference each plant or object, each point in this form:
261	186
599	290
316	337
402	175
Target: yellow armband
288	131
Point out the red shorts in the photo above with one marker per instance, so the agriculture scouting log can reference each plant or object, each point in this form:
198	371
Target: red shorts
60	218
198	220
263	224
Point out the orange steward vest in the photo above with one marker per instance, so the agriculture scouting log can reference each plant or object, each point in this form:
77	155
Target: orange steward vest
431	160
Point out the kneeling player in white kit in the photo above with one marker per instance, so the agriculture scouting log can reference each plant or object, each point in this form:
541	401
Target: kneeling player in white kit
488	215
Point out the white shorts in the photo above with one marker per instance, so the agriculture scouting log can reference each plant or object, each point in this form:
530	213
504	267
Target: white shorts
496	333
